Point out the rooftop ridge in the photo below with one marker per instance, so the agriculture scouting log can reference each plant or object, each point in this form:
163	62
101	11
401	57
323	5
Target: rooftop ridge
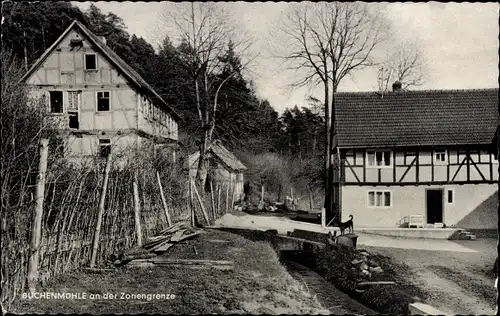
437	91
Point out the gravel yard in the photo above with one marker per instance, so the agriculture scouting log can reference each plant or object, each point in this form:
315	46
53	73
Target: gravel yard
456	282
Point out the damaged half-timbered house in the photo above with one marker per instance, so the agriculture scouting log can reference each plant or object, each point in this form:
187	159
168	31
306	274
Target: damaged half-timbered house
424	153
99	103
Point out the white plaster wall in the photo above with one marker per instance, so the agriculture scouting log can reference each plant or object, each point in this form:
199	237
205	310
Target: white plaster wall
410	200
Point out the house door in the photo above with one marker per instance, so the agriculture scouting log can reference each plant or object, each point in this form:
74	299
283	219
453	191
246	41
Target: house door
434	201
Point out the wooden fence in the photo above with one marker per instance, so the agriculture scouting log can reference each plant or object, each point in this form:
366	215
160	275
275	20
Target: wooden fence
78	217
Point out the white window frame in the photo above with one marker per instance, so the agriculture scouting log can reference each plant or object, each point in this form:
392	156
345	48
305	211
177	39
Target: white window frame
97	101
375	199
443	152
452	196
85	62
375	153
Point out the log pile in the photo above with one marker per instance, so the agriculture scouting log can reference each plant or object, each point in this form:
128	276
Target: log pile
159	244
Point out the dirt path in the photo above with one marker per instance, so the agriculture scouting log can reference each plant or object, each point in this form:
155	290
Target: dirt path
456	282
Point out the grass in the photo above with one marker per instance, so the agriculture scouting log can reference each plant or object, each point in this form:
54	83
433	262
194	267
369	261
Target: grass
259	284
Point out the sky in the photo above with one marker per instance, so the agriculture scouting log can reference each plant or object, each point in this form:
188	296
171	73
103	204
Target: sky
459	40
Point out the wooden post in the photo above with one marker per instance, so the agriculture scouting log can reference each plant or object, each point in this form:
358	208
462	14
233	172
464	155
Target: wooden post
163	200
232	198
323	217
262	194
201	203
311	202
97	231
212	199
227	198
219	189
137	214
36	229
191	204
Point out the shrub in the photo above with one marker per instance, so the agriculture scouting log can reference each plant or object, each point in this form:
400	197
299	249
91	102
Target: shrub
334	263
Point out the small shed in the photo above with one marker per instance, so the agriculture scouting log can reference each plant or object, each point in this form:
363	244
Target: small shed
223	168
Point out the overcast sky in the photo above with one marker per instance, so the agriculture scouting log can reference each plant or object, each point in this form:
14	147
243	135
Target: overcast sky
460	42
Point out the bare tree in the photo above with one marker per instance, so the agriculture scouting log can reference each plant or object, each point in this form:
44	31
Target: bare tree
325	42
405	63
206	34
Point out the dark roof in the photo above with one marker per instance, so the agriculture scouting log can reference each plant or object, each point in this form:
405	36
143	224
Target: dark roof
125	68
416	118
223	154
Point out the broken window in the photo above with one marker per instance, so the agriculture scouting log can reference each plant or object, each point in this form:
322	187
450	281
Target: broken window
103	101
104	147
379	199
56	101
73	106
90	62
74	122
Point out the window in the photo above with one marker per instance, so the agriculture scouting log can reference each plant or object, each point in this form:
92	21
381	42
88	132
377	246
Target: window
90	62
379	158
104	147
450	198
73	100
103	101
56	101
440	157
73	106
379	199
74	122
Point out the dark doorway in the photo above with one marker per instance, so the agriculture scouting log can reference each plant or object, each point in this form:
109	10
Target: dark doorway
434	201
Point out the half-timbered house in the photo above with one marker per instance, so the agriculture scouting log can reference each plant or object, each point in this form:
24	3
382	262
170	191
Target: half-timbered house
98	102
421	153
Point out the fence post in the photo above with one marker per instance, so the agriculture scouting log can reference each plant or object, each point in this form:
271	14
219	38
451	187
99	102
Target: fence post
212	199
219	189
262	194
137	214
191	204
36	228
311	202
201	203
227	198
97	231
163	200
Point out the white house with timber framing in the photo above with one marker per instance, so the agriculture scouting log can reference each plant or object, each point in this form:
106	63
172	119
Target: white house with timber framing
417	153
99	103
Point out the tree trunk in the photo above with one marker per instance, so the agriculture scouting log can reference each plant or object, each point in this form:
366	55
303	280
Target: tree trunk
334	163
327	182
201	174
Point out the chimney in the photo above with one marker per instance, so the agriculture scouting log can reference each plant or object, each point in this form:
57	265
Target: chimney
396	86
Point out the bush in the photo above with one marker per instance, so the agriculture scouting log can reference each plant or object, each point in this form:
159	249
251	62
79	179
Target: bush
334	263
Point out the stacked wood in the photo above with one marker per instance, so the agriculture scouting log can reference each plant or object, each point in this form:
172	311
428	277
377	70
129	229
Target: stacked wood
166	239
217	264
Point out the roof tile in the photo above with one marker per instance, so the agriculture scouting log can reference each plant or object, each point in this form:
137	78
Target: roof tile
416	118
